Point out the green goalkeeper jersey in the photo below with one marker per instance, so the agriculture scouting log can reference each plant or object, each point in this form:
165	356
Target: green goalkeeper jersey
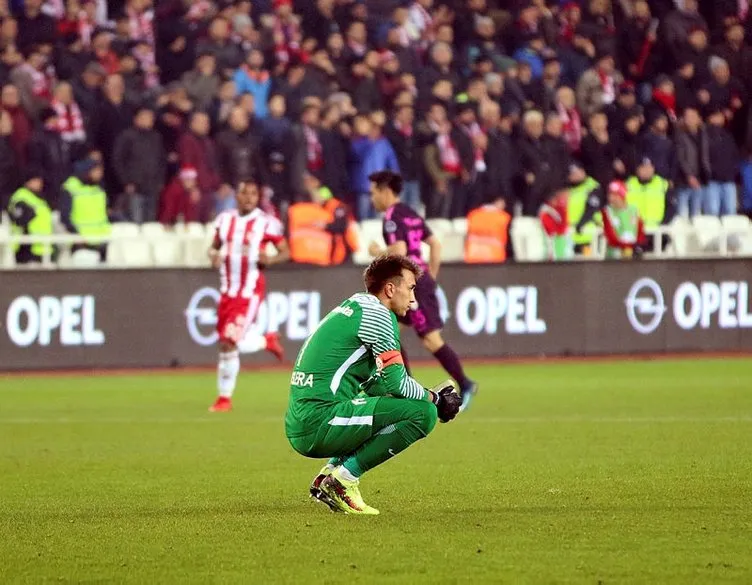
354	349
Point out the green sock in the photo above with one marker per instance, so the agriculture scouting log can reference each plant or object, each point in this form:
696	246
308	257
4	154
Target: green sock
352	465
336	461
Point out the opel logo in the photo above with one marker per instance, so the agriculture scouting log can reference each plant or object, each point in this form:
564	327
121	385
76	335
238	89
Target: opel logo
201	316
645	306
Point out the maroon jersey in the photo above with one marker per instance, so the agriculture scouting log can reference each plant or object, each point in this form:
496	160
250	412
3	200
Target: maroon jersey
402	224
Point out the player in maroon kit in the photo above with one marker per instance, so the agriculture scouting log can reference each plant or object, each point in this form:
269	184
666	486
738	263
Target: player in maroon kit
404	231
238	252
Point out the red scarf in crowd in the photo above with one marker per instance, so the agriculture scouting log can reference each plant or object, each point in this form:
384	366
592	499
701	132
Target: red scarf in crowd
406	130
608	86
70	122
41	83
314	152
571	127
448	154
473	130
667	101
286	35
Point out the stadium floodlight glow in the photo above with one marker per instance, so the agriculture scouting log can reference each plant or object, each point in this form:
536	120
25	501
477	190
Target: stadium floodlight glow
645	306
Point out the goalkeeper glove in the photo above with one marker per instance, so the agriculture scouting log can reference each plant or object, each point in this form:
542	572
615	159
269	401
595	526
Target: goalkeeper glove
447	401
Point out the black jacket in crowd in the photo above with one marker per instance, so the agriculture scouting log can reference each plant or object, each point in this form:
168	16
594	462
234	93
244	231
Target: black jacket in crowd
598	159
139	159
406	149
723	154
240	156
48	152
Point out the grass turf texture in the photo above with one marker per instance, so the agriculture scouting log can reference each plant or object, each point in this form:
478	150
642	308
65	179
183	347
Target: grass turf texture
631	472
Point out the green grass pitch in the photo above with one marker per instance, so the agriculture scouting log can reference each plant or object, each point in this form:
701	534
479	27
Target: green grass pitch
609	472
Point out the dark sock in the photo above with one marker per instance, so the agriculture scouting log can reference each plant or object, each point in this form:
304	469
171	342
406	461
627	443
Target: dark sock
450	361
406	361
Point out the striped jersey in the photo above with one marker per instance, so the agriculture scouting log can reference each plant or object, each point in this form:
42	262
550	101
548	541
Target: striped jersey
242	238
402	224
354	349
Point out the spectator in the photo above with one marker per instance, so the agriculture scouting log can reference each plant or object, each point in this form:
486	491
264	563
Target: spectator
694	163
114	115
628	149
737	55
724	158
319	22
675	29
71	60
639	54
202	82
599	152
624	107
87	91
443	160
226	53
649	193
722	91
196	149
31	215
597	86
685	86
698	53
101	45
139	160
371	152
622	225
223	103
565	104
556	151
476	142
48	152
9	168
488	233
664	97
10	102
83	206
401	134
439	67
553	217
278	146
69	119
657	146
181	200
239	151
34	80
176	52
296	86
252	77
485	46
501	156
535	167
35	27
10	58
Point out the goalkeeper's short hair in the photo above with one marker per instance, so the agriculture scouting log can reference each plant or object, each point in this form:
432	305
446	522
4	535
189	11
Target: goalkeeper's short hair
388	268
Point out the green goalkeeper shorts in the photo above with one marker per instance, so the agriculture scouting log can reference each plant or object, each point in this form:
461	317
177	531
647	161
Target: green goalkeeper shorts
351	423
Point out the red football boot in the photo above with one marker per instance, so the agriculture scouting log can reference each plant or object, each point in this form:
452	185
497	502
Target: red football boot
223	404
274	347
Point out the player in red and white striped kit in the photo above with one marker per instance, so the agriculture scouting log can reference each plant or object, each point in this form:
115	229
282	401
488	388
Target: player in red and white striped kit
238	252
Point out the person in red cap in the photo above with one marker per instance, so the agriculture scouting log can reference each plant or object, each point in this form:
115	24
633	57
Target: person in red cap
622	225
181	199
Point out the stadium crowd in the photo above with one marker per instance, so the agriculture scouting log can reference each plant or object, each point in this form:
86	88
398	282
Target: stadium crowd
540	108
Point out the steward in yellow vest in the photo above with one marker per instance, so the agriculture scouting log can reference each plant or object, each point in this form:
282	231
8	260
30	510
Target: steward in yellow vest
583	206
648	192
83	205
31	215
487	234
321	231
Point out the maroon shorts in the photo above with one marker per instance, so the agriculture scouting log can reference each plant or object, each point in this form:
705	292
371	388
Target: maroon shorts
427	317
234	316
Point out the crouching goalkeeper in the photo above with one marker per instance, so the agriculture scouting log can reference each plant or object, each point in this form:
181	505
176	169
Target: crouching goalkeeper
351	398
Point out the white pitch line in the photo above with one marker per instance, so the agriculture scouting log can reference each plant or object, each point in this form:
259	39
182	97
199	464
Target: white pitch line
469	421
